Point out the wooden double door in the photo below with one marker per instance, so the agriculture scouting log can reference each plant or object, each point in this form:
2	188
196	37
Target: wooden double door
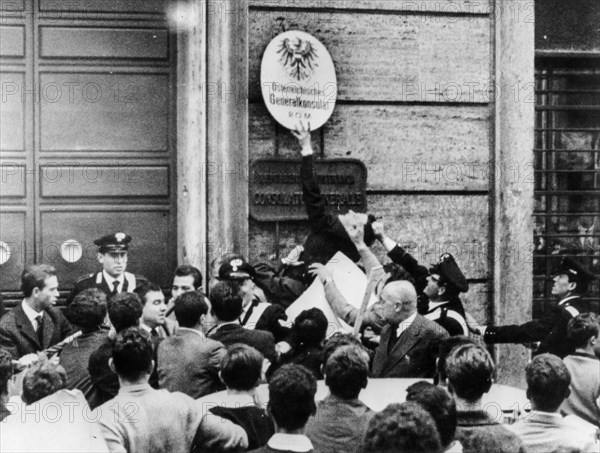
87	136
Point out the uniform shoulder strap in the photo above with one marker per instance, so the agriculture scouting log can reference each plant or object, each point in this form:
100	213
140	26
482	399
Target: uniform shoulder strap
131	282
571	310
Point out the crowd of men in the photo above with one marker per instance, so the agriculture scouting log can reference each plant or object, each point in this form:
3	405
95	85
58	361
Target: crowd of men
136	355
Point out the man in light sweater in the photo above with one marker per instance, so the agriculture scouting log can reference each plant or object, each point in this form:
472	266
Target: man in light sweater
584	367
545	429
142	419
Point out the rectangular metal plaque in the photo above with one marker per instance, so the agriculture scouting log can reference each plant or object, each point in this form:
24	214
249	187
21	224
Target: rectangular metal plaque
276	190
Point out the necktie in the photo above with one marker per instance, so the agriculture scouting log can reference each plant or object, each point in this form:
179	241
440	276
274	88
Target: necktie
40	329
254	303
115	290
154	334
393	338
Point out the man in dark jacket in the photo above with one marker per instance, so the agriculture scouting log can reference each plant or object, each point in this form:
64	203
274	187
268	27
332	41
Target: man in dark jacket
226	299
35	324
570	284
328	235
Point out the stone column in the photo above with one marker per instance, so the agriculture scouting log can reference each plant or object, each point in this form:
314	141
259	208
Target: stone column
227	140
513	181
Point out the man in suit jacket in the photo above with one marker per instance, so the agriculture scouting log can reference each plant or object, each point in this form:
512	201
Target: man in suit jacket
408	340
189	362
35	324
226	298
112	279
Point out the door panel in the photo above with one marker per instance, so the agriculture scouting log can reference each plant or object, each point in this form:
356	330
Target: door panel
87	140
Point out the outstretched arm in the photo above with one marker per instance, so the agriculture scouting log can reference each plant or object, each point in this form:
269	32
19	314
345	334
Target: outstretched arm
314	201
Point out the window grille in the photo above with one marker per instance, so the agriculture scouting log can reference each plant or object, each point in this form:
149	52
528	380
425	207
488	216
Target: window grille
566	172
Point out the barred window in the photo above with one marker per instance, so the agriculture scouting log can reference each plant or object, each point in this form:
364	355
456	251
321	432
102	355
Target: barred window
567	171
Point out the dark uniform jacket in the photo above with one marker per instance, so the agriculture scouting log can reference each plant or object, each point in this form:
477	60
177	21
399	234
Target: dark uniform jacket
327	234
550	331
19	338
413	355
451	316
97	280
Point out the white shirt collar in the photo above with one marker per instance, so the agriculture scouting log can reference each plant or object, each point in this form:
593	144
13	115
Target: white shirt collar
145	327
405	324
290	442
31	313
110	279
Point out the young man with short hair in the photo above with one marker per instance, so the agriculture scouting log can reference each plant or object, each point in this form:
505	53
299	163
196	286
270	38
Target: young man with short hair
188	361
342	419
442	408
241	372
545	429
154	313
469	371
124	311
142	419
291	402
226	298
405	427
35	324
87	312
584	367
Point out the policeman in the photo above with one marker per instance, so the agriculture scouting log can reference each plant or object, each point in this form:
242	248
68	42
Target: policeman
438	288
570	284
256	314
112	279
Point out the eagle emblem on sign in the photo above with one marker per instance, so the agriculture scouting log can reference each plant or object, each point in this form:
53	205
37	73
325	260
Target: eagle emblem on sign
299	57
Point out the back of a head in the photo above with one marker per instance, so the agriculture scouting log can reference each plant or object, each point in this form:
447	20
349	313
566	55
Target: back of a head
241	367
405	427
336	341
444	346
132	353
6	370
34	276
469	369
189	307
310	327
88	310
125	310
548	381
185	269
440	405
226	299
42	379
581	328
347	372
403	291
292	396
